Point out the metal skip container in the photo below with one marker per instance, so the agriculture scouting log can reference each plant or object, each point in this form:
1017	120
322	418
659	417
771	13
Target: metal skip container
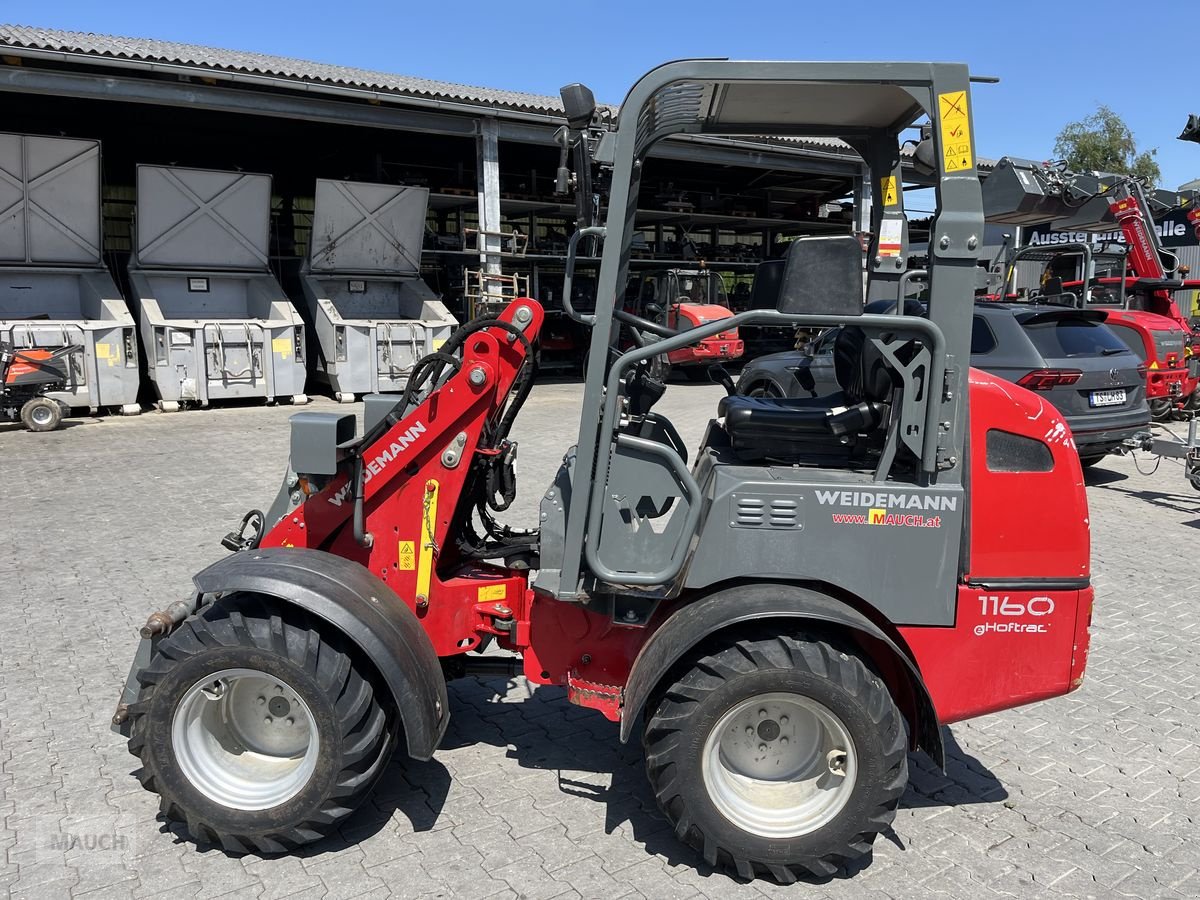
214	321
373	315
55	290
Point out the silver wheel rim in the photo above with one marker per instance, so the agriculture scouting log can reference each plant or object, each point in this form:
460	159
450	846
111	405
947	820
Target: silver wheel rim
245	739
42	415
779	765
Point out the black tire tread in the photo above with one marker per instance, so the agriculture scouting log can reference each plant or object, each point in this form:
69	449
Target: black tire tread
661	740
27	413
367	732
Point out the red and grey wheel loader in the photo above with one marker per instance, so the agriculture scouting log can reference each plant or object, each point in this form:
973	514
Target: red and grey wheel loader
681	299
780	614
27	378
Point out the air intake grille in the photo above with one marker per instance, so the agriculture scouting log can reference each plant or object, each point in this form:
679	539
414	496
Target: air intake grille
764	511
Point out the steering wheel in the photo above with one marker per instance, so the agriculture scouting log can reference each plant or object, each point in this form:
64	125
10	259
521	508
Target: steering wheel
640	324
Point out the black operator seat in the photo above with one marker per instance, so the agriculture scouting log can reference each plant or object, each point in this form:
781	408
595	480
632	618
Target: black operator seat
822	276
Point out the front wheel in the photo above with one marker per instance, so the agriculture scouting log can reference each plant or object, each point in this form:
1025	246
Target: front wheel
259	727
778	756
41	414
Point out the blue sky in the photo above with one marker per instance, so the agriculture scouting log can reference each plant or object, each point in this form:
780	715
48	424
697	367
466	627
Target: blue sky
1056	61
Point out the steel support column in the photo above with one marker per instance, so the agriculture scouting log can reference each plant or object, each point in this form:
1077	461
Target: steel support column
487	170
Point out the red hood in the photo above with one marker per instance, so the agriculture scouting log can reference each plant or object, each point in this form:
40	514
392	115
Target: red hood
699	313
1148	320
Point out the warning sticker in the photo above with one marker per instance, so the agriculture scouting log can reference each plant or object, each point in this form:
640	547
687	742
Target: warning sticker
891	237
282	346
406	559
956	131
887	187
109	353
491	592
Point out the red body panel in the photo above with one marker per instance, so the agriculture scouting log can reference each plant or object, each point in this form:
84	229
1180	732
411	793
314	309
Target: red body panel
722	346
1022	645
1007	648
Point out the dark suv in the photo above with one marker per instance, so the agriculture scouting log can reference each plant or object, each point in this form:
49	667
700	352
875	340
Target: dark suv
1085	370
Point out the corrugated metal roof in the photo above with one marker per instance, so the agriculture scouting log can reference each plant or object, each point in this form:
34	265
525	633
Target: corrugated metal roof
169	52
150	51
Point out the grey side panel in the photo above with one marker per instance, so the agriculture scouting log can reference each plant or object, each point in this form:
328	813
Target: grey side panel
688	626
202	219
362	227
49	200
347	596
895	545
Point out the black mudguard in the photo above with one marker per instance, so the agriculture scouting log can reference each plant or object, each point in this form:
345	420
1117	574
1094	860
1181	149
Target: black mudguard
363	608
691	624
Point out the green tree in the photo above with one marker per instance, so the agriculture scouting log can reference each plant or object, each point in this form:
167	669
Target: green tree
1103	142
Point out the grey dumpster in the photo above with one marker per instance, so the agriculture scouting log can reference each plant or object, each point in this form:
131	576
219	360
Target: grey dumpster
54	288
215	324
373	315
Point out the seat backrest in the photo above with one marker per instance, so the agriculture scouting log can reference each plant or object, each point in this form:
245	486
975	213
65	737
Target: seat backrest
823	276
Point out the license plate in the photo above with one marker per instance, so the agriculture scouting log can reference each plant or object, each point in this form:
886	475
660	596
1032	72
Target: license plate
1107	398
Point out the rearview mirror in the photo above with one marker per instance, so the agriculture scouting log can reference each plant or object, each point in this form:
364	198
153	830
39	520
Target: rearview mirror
925	156
579	104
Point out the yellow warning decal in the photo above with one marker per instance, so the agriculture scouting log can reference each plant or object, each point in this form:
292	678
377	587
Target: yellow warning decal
282	346
491	592
437	343
105	351
887	187
406	559
955	130
1154	364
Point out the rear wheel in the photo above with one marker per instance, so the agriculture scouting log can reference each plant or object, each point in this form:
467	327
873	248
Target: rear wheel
41	414
764	389
1161	408
779	756
258	727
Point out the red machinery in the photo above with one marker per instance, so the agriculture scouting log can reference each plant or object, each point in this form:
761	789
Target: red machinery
682	299
26	378
788	614
1021	192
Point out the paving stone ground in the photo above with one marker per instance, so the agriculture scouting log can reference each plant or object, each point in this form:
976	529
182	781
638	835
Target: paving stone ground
1091	795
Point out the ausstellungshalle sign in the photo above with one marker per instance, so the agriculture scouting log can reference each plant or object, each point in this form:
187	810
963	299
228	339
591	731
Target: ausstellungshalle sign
1173	230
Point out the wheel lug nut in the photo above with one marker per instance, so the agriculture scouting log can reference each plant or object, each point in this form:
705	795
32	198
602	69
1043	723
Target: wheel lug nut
783	720
762	713
749	731
291	721
762	748
262	700
783	740
268	720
